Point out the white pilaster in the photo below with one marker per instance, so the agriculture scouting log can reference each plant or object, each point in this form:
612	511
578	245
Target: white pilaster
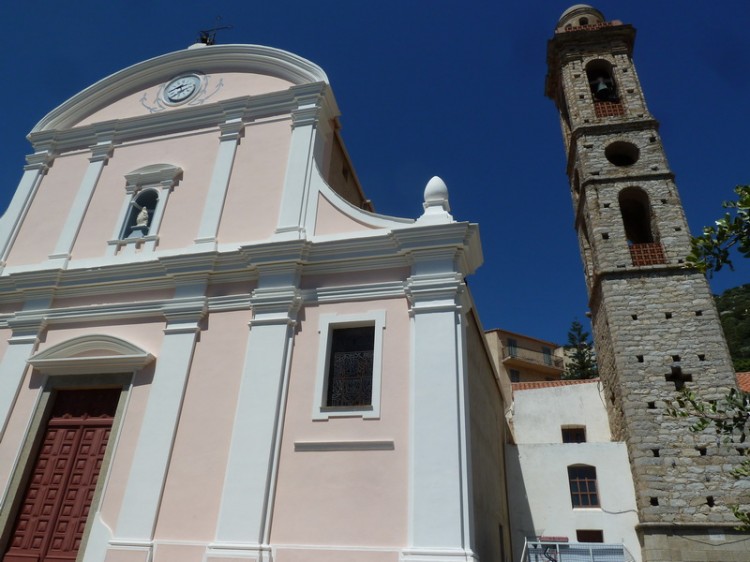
35	169
246	503
100	153
27	328
13	366
231	132
299	168
140	507
439	502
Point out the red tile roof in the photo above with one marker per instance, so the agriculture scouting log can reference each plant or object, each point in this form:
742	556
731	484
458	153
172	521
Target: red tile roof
549	384
743	381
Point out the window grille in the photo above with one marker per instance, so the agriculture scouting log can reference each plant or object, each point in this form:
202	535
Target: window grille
574	434
647	254
350	368
583	490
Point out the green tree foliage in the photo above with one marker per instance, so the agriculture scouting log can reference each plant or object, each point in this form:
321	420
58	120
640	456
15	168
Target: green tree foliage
581	362
711	250
730	420
734	311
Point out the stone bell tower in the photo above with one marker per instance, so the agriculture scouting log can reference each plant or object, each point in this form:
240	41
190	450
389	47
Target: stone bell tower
655	325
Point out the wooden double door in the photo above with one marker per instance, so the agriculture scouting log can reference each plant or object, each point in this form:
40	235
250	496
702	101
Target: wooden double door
52	515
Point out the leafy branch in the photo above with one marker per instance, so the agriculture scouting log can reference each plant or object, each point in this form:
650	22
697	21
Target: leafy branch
711	250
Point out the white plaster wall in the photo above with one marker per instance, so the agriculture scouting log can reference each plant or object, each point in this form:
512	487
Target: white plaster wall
538	414
536	467
538	478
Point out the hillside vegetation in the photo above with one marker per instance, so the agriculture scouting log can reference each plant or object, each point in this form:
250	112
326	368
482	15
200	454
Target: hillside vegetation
734	310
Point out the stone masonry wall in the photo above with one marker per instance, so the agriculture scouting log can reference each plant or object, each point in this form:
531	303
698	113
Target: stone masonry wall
655	325
659	322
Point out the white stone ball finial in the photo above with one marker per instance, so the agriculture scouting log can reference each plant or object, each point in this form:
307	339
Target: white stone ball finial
436	205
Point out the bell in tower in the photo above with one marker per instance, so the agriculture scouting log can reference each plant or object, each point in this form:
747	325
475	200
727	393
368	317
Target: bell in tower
655	325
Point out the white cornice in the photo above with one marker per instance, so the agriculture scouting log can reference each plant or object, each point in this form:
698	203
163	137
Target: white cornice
216	58
455	245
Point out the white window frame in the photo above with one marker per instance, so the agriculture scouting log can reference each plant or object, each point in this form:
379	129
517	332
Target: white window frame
328	323
161	178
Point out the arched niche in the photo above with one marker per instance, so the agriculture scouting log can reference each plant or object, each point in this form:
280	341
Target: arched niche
635	208
601	81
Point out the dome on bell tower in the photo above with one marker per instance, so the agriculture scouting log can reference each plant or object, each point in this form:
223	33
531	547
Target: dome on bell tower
579	15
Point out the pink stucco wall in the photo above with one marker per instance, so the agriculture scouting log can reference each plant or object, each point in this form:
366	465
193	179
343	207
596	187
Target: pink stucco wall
147	335
39	232
193	153
226	85
190	503
330	220
251	209
345	497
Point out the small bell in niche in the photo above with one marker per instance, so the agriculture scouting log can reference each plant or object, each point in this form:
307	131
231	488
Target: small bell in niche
602	90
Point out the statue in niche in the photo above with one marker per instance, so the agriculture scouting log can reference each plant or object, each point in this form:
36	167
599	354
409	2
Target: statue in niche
142	219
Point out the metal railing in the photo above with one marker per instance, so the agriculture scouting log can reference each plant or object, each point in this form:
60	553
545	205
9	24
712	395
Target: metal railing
533	356
545	551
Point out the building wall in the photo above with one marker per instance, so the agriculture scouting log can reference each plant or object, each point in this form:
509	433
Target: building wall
537	463
215	328
524	358
487	389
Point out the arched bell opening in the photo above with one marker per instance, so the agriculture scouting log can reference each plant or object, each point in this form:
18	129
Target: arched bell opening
640	230
603	89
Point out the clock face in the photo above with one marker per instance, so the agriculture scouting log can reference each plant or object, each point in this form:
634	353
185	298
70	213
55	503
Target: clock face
182	88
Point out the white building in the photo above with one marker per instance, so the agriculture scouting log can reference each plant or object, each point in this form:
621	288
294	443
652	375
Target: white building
568	482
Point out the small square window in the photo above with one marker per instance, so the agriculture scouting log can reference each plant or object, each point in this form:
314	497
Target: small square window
589	535
515	375
574	434
349	365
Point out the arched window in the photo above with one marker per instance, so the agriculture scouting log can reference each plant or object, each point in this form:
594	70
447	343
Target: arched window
637	218
583	486
636	215
603	89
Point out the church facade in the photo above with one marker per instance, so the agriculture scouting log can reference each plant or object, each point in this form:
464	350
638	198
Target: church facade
212	349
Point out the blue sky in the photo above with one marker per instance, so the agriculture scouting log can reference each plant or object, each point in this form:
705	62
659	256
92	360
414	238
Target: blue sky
427	88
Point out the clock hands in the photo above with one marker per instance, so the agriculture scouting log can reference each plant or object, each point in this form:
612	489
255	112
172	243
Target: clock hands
181	88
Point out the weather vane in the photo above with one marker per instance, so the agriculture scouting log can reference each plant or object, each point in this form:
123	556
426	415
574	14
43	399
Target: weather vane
208	36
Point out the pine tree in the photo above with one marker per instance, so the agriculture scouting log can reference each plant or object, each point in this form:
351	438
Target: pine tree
581	359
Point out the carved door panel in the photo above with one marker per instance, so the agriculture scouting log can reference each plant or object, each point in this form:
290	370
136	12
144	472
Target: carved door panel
52	516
